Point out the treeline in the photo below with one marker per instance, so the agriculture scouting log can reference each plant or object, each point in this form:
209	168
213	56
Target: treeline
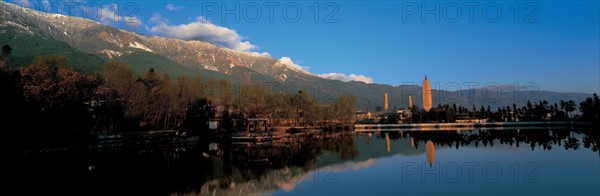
535	139
48	95
589	110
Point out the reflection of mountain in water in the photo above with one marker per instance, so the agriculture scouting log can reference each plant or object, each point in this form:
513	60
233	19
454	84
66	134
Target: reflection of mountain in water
369	148
155	164
329	159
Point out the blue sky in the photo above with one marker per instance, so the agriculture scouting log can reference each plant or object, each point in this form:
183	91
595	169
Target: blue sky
554	44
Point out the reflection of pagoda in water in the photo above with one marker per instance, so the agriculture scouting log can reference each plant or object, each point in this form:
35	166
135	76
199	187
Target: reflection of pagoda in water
426	94
430	152
387	141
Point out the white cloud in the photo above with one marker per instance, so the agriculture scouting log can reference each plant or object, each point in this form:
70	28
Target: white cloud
288	61
363	164
158	18
108	16
346	78
172	7
266	54
203	30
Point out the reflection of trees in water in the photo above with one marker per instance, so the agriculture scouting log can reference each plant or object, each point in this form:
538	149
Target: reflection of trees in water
257	169
304	155
162	166
344	146
266	167
544	139
591	141
253	165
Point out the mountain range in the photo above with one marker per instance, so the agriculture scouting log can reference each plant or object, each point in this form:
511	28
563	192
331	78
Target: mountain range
87	45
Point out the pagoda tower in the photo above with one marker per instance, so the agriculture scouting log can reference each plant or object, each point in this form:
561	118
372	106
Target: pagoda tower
426	94
385	102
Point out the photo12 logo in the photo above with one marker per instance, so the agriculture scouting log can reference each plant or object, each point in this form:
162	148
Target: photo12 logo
125	12
455	12
326	174
324	92
271	11
488	92
470	172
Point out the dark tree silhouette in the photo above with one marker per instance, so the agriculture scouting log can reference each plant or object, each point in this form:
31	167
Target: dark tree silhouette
591	108
6	50
570	107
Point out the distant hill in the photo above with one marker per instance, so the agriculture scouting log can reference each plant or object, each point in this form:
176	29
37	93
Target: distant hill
27	47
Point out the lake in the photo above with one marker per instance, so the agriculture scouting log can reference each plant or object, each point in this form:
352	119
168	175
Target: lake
475	162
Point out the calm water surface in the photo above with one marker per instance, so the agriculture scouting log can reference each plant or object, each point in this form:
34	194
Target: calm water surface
497	162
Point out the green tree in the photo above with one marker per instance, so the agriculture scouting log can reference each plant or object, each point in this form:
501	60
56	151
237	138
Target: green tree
119	78
150	80
120	81
279	105
345	107
328	113
304	107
